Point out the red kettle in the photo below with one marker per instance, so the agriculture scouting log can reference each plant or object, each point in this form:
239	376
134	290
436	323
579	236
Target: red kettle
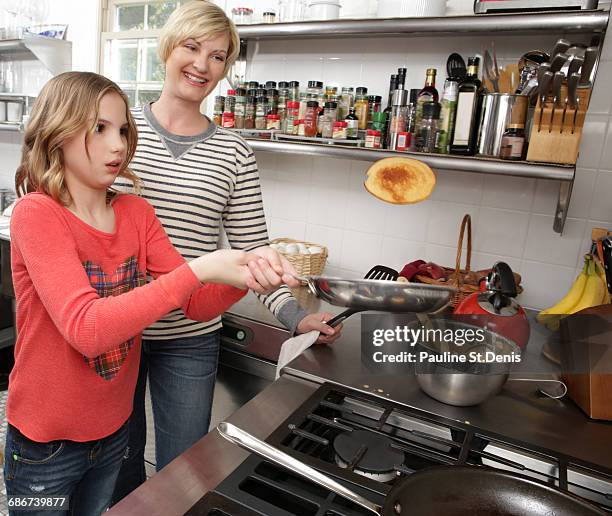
495	309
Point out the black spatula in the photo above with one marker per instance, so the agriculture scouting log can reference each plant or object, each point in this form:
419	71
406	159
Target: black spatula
378	272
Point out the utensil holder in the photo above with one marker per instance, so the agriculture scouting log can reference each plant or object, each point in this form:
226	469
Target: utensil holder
554	138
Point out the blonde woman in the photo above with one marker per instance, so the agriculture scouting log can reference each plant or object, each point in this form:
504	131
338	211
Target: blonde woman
80	254
198	177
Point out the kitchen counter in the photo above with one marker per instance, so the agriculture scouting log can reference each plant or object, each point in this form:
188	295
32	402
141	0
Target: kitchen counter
177	487
518	412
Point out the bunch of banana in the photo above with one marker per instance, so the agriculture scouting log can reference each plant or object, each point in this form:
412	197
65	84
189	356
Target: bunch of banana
589	289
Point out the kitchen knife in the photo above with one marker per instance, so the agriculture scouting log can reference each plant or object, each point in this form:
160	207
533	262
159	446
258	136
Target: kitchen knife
558	61
561	46
590	57
543	87
572	95
575	65
542	69
556	88
572	91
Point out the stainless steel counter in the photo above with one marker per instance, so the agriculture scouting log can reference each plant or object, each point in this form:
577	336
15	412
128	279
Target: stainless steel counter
185	480
518	412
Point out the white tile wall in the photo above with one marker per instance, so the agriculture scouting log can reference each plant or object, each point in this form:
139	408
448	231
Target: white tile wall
512	217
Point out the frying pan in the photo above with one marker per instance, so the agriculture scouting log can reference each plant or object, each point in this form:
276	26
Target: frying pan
447	490
383	296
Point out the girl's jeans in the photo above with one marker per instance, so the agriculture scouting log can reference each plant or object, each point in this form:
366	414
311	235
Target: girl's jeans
85	472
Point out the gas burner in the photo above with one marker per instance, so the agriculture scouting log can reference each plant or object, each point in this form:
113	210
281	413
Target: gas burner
368	454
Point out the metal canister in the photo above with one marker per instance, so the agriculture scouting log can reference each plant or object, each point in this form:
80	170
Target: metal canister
498	111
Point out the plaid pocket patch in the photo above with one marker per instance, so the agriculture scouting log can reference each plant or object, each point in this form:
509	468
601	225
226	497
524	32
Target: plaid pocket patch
125	278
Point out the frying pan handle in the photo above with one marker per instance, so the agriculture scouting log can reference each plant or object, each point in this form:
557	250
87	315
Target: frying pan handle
342	316
248	442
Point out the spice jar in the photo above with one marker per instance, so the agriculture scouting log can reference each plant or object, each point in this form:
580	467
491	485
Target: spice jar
242	15
339	131
230	101
403	141
513	142
240	108
293	109
218	110
269	17
300	125
372	139
310	119
330	115
261	110
228	120
346	102
273	121
362	107
272	94
294	91
249	113
426	135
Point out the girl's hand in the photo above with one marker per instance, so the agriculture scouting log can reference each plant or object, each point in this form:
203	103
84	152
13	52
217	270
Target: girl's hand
273	269
243	270
227	266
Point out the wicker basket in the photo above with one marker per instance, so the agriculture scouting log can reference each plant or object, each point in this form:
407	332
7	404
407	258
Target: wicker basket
465	280
305	264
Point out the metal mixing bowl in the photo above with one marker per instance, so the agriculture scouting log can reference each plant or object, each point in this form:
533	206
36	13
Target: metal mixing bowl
464	384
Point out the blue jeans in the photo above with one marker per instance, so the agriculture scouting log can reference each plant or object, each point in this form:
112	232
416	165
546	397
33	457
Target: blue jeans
86	472
182	376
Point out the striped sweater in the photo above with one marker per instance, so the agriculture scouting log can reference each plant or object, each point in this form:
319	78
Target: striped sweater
198	184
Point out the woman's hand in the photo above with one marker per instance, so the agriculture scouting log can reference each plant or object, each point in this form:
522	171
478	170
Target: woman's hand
317	322
272	269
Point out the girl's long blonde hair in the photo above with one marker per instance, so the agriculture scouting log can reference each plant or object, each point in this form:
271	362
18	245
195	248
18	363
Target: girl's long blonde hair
64	108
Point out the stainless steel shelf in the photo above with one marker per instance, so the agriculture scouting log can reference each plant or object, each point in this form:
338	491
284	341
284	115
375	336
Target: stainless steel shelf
563	173
55	54
550	22
11	126
435	161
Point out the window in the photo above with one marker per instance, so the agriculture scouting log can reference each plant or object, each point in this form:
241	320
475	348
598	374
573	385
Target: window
129	46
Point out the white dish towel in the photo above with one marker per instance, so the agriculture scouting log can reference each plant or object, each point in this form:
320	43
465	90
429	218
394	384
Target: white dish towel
294	347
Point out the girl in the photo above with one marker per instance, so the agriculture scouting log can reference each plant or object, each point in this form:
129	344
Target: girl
198	177
80	254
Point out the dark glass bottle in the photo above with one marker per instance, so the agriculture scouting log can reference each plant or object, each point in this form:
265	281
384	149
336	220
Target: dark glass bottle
469	104
429	93
352	129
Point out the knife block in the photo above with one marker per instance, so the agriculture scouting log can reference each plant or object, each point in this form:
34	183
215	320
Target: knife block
553	137
586	360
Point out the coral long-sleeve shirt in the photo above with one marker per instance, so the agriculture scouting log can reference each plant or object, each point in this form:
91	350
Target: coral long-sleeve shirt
82	302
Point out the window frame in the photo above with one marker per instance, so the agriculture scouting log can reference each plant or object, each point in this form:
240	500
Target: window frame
108	35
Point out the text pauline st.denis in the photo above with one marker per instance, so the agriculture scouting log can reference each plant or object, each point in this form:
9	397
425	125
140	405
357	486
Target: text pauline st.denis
399	343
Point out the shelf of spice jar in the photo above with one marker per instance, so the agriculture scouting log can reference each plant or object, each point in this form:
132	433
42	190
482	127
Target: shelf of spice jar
265	134
324	141
547	22
475	164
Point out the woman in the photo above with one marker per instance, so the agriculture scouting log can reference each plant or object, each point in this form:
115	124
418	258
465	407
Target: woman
198	177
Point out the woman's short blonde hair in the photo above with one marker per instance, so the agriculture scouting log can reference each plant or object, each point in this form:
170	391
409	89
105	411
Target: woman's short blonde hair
197	19
64	108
